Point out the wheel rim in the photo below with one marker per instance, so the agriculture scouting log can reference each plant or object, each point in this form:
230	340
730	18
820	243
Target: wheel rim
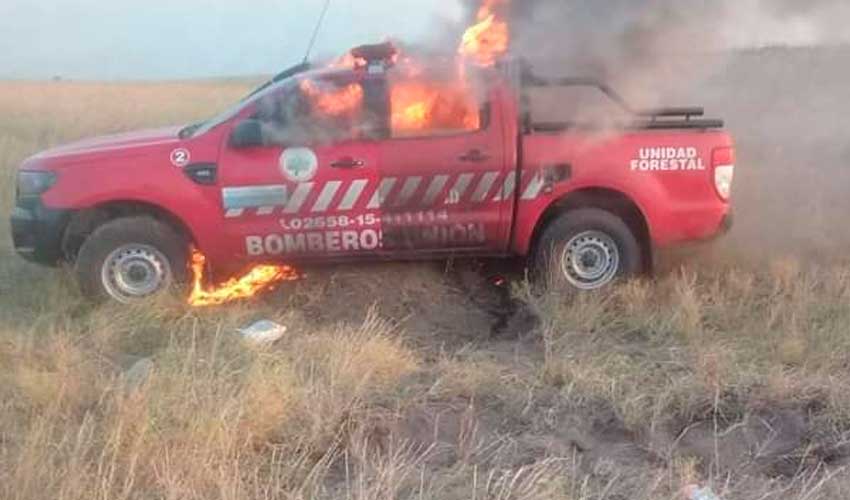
135	271
590	260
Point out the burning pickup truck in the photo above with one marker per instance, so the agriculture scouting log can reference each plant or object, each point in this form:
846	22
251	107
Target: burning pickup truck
369	159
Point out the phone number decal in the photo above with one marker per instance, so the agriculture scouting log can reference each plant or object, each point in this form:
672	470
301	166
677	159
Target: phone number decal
363	220
330	222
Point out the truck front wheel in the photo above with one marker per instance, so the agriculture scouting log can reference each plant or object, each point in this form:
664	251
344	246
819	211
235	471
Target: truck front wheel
586	249
131	258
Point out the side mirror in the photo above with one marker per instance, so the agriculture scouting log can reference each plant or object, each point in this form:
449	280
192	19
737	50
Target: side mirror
247	134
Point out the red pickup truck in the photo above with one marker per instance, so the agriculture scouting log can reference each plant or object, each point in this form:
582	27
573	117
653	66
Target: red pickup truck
269	181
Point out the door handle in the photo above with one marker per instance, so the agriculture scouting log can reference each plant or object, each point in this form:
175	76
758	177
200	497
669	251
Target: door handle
474	156
348	162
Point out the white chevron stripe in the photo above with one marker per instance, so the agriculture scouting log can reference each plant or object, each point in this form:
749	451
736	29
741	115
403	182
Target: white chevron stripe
459	189
349	201
411	185
327	196
508	188
532	191
436	187
298	198
382	193
407	191
484	186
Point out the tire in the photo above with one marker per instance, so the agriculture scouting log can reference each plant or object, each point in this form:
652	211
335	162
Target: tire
130	259
586	249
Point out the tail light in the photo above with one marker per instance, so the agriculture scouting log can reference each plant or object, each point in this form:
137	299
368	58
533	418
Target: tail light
723	164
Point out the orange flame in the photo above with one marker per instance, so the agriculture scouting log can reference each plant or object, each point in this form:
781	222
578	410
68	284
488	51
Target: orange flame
333	101
418	103
259	279
487	40
419	106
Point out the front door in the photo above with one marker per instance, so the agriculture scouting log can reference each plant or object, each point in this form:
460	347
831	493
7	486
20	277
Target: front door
305	194
445	170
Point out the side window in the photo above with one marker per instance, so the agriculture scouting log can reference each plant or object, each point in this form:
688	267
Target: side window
435	109
315	111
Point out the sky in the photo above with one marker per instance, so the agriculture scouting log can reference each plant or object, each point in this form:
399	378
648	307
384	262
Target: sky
173	39
176	39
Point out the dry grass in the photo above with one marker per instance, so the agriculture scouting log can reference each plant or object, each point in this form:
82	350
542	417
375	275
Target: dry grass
690	337
402	392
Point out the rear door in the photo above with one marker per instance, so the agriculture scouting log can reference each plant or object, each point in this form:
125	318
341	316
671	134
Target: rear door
444	173
304	194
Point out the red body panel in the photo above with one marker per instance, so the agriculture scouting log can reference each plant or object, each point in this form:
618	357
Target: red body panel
465	203
679	205
479	193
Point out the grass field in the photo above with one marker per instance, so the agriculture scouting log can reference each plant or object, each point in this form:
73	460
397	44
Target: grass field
414	381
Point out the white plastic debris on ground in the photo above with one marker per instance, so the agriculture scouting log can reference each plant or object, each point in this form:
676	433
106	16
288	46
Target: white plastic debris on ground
263	332
696	493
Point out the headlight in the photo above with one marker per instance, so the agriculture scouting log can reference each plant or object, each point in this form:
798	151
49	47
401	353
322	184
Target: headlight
35	183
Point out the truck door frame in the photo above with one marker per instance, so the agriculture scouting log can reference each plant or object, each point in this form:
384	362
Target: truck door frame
331	201
477	168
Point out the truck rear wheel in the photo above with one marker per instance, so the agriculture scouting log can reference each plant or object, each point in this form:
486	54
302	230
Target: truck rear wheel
586	249
131	258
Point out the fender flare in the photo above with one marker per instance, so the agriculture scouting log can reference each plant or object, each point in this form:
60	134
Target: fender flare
607	197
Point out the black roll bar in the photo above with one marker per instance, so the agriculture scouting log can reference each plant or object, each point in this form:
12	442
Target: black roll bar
660	118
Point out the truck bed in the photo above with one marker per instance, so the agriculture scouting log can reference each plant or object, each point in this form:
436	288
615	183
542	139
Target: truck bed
669	118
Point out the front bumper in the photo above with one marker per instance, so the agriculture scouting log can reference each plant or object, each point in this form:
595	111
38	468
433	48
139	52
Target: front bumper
37	231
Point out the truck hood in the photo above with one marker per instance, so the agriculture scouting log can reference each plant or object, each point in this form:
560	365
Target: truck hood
126	144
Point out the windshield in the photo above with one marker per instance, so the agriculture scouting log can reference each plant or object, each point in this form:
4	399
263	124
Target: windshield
281	78
202	128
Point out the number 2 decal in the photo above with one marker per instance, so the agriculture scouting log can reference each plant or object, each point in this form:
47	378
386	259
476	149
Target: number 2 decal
180	157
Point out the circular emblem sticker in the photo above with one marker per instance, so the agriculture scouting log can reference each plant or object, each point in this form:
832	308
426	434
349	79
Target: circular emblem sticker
299	164
180	157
